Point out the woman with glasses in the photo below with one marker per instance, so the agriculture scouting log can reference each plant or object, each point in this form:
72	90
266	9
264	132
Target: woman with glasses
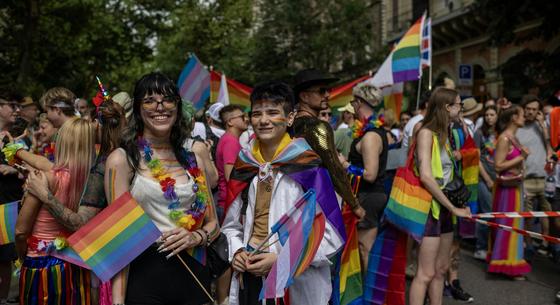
169	183
433	158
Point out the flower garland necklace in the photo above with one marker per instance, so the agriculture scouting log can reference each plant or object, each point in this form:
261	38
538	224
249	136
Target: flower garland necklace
362	126
186	218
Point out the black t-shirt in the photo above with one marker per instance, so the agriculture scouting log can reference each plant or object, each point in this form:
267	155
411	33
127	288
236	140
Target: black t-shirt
11	186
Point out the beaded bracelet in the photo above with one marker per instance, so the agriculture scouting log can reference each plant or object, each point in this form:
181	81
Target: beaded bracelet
201	237
207	237
355	170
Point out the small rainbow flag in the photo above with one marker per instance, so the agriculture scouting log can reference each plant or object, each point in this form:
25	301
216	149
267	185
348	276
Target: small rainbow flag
393	98
194	82
342	95
350	269
8	216
238	93
403	63
114	237
300	232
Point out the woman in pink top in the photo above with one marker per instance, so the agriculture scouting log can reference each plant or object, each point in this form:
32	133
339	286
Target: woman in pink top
44	278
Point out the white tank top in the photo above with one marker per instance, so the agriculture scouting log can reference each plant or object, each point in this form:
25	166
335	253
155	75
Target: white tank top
149	195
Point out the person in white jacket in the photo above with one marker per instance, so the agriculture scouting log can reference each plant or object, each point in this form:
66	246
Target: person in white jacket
263	177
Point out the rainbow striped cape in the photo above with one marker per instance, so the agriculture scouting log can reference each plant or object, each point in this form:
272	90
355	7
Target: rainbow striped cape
114	237
300	232
8	217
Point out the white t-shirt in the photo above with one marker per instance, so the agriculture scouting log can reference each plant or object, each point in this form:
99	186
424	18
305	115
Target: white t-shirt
409	129
218	132
342	126
199	130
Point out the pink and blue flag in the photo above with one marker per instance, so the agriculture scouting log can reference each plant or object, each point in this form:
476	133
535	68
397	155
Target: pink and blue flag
194	83
300	232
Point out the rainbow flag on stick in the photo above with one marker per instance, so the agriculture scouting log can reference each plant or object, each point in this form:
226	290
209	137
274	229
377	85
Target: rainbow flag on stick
403	63
342	95
114	237
238	93
8	217
350	269
300	232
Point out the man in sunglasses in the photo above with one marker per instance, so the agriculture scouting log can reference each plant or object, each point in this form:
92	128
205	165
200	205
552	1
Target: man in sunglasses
312	96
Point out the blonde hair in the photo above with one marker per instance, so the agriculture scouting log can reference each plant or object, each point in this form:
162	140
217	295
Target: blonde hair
390	118
74	156
44	119
60	96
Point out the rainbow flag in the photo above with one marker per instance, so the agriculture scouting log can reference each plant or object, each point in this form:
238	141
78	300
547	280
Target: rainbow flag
350	270
300	232
194	82
238	93
68	254
403	63
114	237
393	98
342	95
8	215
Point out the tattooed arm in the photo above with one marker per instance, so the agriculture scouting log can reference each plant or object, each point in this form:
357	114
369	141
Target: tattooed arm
117	181
37	185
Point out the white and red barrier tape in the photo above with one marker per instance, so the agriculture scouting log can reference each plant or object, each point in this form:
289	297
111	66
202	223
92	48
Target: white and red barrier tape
516	214
516	230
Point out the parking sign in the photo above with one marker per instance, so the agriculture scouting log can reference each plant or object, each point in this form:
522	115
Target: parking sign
465	75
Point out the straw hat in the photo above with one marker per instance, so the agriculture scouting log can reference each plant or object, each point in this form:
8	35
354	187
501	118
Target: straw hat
470	106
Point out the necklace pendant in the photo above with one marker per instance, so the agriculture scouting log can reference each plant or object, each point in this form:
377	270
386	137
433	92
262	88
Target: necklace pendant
195	188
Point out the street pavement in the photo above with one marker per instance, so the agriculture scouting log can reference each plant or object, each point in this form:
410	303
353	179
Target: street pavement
539	289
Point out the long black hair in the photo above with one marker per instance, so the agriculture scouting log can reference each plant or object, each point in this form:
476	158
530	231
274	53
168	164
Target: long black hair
154	83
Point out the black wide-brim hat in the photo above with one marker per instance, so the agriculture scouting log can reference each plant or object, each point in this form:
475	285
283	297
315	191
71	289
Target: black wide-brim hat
311	77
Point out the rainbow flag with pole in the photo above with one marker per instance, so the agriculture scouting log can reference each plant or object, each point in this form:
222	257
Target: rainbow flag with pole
8	217
300	231
194	82
403	63
350	275
342	95
114	237
238	93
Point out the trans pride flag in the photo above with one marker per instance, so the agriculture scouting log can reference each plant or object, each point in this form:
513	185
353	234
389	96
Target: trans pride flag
403	64
194	83
8	217
300	232
114	237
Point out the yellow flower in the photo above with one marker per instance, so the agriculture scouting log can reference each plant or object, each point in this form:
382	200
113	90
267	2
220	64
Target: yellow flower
187	222
60	243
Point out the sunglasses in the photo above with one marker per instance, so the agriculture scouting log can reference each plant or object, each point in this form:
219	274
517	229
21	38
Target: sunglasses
14	106
325	114
321	90
167	102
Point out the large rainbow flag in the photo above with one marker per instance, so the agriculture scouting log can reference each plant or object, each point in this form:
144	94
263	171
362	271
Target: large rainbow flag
300	232
342	95
114	237
8	217
403	63
238	93
194	82
393	98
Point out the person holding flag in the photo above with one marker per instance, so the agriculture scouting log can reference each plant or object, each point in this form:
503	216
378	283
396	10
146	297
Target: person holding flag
266	183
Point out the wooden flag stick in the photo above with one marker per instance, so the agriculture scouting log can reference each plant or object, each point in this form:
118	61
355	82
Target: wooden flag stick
264	246
195	278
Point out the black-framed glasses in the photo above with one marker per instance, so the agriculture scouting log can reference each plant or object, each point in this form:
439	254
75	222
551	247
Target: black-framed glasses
167	102
14	105
321	90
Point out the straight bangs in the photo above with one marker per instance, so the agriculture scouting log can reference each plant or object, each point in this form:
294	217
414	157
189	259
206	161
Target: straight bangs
74	157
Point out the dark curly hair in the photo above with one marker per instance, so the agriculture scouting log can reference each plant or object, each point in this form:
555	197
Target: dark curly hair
154	83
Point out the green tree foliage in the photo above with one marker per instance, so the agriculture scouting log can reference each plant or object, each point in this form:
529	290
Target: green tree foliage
67	43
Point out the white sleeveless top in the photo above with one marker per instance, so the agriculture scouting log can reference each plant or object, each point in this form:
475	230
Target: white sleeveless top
149	195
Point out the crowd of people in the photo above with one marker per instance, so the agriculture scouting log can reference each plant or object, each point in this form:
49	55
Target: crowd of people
235	172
